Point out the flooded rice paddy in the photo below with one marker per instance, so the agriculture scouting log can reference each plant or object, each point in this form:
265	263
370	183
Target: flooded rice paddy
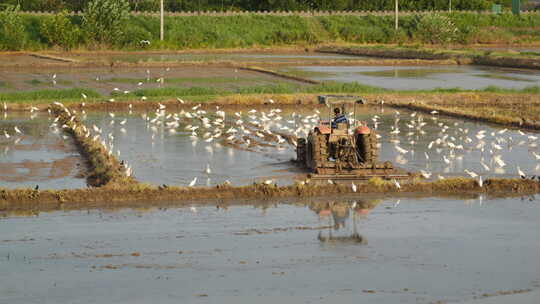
379	250
32	153
162	148
425	77
406	251
109	81
244	145
168	155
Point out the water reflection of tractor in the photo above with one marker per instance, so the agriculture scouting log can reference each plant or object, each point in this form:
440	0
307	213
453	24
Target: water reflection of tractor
343	148
337	214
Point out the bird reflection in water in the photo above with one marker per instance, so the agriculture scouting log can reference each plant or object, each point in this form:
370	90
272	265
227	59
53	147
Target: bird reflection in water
337	214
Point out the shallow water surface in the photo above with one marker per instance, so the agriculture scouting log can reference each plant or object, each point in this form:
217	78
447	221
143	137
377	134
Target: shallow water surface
161	155
39	155
413	251
428	77
441	146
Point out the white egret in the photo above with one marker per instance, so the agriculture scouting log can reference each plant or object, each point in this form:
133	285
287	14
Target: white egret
471	173
425	174
521	174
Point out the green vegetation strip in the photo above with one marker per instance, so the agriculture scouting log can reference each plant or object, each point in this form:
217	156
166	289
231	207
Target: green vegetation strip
46	95
322	88
140	195
104	168
33	32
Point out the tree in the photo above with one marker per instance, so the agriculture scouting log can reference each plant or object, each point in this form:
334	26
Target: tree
104	20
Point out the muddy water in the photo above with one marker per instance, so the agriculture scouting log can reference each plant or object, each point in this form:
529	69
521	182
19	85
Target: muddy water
162	155
427	77
417	251
108	81
39	155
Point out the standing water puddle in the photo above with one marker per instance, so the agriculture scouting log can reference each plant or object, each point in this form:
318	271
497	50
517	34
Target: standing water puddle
38	155
427	77
411	251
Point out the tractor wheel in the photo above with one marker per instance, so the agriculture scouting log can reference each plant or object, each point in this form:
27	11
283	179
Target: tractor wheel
301	152
320	150
369	144
317	151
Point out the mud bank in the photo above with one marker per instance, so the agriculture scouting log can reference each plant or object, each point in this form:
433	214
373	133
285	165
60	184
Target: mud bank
136	195
281	75
21	61
103	167
436	56
512	110
508	62
389	53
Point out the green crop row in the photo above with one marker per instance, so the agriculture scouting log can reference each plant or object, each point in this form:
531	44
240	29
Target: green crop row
203	93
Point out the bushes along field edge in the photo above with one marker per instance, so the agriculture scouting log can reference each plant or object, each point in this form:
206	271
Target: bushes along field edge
121	30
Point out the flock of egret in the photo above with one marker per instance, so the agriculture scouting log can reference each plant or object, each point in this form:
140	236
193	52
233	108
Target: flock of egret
257	130
450	143
251	130
453	146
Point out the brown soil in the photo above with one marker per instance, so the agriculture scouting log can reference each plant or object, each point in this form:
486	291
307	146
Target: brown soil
127	78
513	110
16	59
522	63
138	195
38	171
59	145
273	73
103	167
21	61
386	53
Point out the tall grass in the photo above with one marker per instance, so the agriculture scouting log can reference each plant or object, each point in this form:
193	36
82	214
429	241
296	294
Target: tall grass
196	32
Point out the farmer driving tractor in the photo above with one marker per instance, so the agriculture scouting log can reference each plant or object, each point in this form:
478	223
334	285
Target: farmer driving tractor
338	118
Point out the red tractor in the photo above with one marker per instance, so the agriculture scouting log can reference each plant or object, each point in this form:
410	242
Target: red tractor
342	148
